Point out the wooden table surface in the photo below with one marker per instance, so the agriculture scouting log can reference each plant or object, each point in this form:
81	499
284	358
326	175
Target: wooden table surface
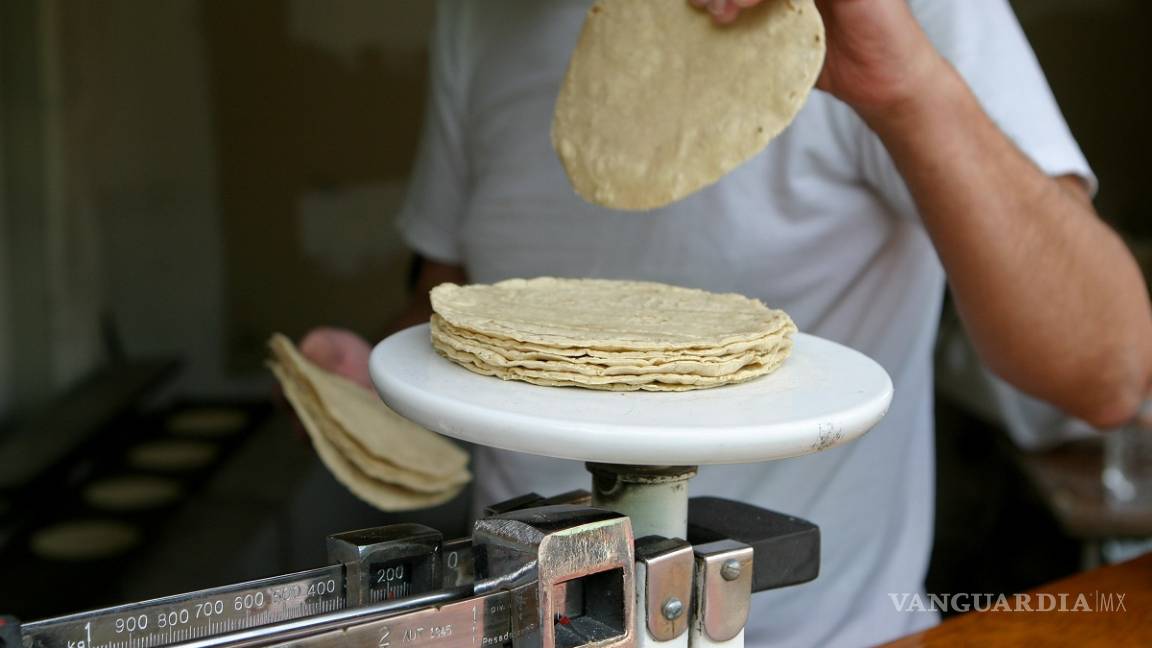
1127	623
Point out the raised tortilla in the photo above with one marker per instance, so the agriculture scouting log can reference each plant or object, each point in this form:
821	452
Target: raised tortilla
658	102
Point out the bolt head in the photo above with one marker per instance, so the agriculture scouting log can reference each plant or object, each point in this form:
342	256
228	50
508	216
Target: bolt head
672	608
730	570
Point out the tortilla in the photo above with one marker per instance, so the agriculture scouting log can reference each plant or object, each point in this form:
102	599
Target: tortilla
320	422
608	335
382	495
511	358
608	315
365	427
383	458
84	540
132	493
646	382
172	456
528	350
207	422
659	102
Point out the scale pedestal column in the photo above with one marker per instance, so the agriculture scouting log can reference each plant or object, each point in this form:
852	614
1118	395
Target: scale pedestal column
654	497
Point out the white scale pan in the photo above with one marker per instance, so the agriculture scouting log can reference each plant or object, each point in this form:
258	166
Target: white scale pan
824	395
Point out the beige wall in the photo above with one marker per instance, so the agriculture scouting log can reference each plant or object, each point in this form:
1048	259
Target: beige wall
226	210
317	109
5	272
51	259
136	72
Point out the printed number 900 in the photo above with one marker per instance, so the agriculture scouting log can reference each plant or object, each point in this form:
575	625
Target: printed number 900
132	623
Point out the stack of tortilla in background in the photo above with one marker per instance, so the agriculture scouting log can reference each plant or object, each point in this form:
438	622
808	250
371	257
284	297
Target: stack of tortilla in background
608	335
383	458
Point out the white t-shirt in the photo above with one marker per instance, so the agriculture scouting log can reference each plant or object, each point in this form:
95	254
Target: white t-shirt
820	224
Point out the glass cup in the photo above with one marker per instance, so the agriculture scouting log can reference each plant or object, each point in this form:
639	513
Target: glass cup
1128	462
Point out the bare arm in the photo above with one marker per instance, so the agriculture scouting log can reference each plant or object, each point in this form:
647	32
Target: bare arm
1052	298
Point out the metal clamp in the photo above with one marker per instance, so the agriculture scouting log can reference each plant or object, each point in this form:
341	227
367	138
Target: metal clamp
582	559
664	568
723	589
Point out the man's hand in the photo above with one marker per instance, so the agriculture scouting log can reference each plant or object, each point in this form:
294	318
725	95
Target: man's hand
345	353
339	351
878	56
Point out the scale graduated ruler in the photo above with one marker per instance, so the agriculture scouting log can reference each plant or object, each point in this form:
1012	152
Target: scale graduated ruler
533	575
183	617
392	586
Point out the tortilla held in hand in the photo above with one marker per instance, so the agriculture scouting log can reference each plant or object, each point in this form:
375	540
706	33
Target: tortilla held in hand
659	102
383	458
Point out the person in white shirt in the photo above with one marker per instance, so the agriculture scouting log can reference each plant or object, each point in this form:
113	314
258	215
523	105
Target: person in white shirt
934	150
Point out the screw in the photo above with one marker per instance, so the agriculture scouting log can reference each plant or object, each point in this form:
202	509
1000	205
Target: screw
672	608
730	570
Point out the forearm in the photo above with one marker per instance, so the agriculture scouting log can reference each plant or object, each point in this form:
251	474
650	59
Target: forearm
1050	295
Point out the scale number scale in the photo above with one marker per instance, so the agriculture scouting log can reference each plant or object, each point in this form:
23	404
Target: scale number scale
196	615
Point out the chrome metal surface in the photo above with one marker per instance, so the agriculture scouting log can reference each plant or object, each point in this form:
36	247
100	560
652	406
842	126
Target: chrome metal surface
183	617
730	570
583	561
296	631
672	608
561	577
389	562
558	576
668	565
457	564
722	604
491	620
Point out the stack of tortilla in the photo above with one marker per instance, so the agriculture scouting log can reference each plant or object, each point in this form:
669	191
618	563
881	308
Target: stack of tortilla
383	458
609	335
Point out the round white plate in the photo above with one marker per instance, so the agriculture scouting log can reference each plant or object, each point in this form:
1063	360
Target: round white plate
824	395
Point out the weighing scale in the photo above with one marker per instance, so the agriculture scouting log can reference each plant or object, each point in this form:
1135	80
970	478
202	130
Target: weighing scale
633	562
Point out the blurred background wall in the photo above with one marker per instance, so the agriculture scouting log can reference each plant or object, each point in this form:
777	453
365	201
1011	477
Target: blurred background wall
185	177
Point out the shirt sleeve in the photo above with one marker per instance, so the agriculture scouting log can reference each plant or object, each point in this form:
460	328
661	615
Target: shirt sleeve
430	216
984	41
